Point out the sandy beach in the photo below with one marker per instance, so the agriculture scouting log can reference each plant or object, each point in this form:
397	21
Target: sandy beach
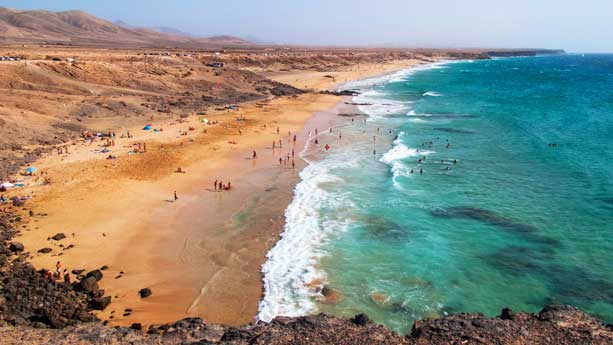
201	255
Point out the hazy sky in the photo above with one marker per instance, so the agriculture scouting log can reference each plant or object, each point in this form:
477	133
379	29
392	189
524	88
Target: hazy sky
573	25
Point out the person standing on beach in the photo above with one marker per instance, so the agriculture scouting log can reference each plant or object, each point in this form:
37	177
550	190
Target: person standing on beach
176	197
215	185
277	130
255	155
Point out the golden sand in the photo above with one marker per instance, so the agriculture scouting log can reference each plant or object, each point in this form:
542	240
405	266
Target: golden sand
201	255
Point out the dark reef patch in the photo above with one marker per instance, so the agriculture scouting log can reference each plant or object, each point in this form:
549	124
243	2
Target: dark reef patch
382	229
453	130
488	217
518	260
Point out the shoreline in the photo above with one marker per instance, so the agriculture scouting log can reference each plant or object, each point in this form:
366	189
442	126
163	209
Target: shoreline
156	244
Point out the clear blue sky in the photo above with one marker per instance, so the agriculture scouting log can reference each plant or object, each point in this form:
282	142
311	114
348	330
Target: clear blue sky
574	25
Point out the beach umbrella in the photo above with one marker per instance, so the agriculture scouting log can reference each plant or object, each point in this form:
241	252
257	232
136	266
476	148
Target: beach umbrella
147	128
31	170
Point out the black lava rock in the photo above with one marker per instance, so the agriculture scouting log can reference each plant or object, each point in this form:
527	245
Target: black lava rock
58	237
100	303
16	247
507	314
96	274
144	293
88	284
361	320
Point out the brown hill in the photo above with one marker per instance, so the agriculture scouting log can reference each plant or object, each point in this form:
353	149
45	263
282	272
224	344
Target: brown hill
83	29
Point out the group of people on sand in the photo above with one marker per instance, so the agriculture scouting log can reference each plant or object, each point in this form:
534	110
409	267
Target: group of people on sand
62	150
219	185
58	274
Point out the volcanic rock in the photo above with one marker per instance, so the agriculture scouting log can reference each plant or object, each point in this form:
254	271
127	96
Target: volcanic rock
144	293
58	237
16	247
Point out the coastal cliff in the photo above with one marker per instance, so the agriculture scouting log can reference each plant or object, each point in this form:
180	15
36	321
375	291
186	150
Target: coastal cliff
34	310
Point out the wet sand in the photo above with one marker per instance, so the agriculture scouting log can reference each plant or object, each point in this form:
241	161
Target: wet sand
201	255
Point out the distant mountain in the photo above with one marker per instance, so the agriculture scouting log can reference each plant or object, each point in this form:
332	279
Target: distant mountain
172	31
124	24
80	28
162	29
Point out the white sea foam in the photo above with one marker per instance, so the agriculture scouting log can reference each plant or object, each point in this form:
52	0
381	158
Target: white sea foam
432	94
417	120
292	262
400	151
394	158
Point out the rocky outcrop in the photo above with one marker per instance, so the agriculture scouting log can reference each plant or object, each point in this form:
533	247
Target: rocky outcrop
553	325
28	298
341	93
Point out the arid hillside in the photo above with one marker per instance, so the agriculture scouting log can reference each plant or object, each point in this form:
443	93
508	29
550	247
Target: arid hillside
80	28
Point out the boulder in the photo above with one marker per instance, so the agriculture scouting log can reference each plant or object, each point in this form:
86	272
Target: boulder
77	271
45	250
96	274
137	326
100	303
144	293
361	320
507	314
89	284
16	247
58	237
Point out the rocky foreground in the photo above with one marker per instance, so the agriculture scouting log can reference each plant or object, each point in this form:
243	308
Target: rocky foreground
553	325
35	310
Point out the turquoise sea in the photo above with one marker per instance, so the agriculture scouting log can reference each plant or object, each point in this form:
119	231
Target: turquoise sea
514	206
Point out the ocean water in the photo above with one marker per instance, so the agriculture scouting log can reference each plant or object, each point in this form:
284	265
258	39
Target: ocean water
514	206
